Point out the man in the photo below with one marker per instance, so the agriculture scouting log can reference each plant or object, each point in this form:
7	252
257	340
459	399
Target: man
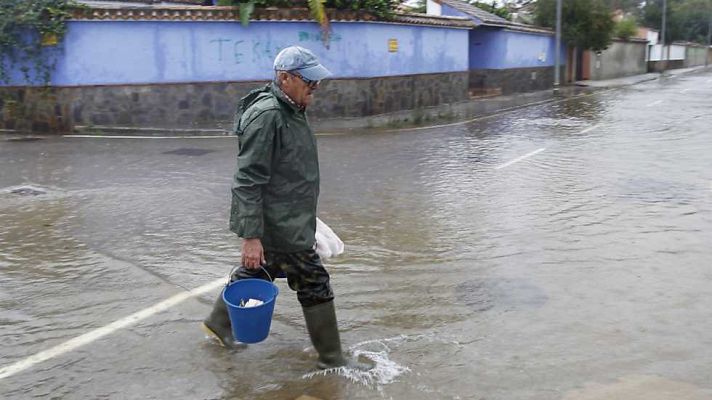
274	199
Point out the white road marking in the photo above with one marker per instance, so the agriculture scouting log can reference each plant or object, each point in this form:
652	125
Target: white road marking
589	129
684	90
655	103
177	137
98	333
537	151
152	129
149	137
518	159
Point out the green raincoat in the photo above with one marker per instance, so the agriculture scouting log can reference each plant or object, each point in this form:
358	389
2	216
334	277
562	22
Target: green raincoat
276	186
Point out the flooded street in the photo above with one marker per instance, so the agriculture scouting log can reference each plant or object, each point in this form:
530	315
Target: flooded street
559	251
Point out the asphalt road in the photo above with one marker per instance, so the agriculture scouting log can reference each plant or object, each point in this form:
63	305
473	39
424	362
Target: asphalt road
559	251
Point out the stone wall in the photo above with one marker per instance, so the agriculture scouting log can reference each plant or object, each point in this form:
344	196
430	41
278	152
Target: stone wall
364	97
513	80
196	106
39	110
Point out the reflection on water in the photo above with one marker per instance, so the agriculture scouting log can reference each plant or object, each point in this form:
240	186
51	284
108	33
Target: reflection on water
483	295
460	281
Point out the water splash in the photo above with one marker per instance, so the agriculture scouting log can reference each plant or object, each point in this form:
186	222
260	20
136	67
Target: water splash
385	370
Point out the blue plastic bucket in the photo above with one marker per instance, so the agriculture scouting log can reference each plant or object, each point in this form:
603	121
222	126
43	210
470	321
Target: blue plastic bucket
250	324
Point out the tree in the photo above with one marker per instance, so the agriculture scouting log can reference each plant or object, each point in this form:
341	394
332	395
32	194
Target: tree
421	6
627	6
492	8
317	8
626	28
687	20
586	24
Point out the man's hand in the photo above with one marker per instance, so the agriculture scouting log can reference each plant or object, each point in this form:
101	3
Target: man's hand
253	255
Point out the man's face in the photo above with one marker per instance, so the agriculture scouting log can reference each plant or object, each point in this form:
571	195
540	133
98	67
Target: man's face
297	88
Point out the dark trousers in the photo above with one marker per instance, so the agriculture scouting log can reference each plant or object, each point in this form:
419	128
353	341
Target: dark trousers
305	274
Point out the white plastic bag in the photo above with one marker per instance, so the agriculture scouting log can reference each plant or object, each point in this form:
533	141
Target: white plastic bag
251	303
327	243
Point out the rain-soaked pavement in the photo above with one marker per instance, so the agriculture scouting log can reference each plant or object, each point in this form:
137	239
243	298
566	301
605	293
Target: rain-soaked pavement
581	271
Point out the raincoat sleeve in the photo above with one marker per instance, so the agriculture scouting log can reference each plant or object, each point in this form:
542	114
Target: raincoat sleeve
254	168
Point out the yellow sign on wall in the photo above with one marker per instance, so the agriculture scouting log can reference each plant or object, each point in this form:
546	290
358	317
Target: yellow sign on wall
392	45
49	39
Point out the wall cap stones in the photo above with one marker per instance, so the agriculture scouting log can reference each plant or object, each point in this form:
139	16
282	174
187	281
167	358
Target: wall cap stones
145	12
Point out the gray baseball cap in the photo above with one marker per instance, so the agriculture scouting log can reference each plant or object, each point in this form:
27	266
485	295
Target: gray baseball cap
302	61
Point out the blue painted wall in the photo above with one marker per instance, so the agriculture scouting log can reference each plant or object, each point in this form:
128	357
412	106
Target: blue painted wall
126	52
501	49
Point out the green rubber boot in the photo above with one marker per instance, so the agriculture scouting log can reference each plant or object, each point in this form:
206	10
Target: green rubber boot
324	334
217	325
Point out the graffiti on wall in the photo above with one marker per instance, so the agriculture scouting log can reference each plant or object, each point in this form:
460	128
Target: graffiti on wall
257	50
241	51
318	37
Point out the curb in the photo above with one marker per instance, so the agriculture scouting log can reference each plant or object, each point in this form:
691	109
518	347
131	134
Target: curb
658	75
616	85
104	130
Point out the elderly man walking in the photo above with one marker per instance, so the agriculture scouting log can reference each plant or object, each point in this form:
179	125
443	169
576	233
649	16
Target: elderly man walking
274	200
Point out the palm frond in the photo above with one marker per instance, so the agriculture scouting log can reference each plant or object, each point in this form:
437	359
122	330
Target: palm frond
318	12
246	10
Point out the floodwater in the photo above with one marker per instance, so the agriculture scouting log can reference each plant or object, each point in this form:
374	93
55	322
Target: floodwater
581	271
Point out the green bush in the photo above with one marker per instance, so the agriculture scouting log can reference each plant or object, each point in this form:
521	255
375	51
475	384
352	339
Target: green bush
493	8
26	28
586	24
626	28
380	8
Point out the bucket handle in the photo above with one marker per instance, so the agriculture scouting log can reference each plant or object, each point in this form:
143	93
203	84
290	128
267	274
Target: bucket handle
232	271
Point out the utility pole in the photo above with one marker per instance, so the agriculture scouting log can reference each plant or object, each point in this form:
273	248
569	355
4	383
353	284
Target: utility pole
663	55
557	50
709	42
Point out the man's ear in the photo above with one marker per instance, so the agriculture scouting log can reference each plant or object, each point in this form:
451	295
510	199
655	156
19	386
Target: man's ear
281	76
